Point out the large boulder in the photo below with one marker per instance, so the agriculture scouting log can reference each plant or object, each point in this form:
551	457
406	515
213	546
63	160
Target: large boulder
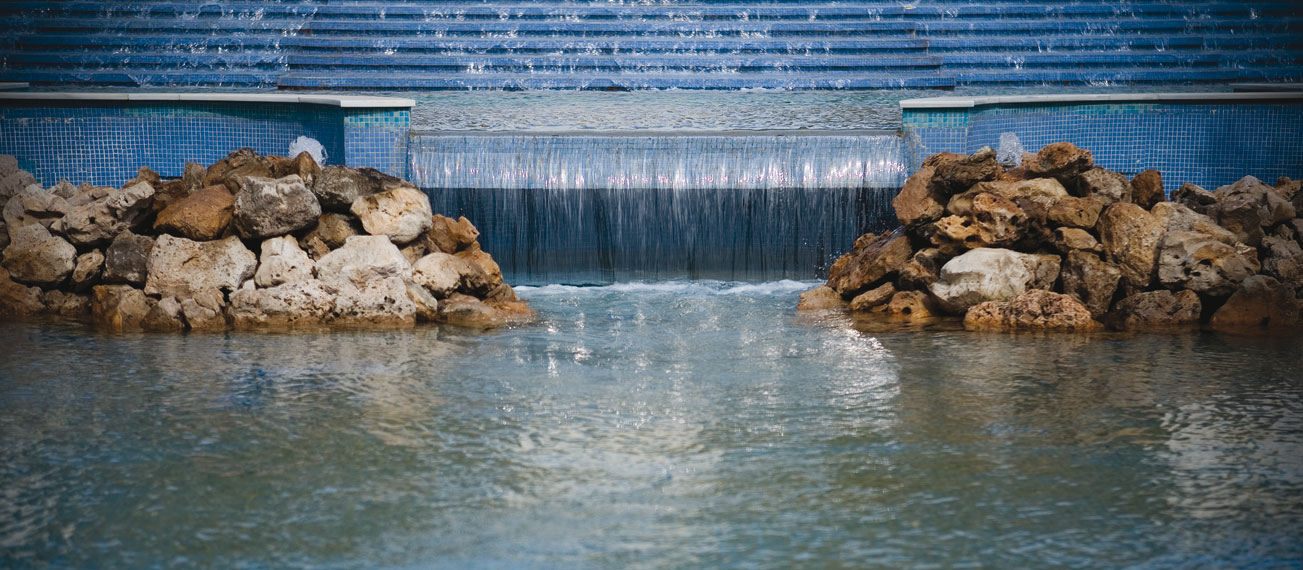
1061	160
443	274
36	257
1156	310
203	215
119	308
337	187
179	267
821	298
870	263
957	175
101	216
281	261
308	303
451	236
1194	261
363	259
402	213
1248	206
1130	237
918	203
1034	310
267	207
1091	281
379	303
127	259
1260	302
986	274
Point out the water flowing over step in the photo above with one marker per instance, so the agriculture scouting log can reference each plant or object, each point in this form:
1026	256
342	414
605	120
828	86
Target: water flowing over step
693	44
602	208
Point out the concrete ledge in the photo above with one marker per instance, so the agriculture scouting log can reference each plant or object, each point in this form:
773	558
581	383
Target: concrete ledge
7	85
970	102
343	101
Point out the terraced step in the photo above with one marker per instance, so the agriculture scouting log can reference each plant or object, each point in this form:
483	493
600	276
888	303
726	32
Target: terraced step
612	45
523	81
1105	76
146	77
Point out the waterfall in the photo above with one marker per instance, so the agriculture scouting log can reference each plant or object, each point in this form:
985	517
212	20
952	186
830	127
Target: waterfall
585	208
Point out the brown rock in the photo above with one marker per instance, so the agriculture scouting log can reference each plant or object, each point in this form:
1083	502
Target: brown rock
870	265
1061	160
957	175
1147	189
1179	218
484	261
66	305
821	298
1284	260
1194	197
1033	310
119	308
1071	239
86	271
911	306
164	316
921	270
1156	310
954	234
201	216
451	236
1248	206
236	167
466	311
1091	281
205	311
192	176
1130	237
303	165
1288	189
918	203
36	257
315	246
1075	212
18	300
998	220
334	229
873	297
1104	185
1260	302
1194	261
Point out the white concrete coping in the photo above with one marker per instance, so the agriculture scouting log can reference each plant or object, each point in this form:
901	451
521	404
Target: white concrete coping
344	101
4	85
970	102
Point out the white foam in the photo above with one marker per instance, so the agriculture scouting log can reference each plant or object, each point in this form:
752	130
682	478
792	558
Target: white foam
694	288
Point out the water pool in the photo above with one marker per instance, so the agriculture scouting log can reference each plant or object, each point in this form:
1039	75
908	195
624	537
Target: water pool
668	425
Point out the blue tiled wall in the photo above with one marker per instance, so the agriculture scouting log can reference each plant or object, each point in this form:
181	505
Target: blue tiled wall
1207	144
107	143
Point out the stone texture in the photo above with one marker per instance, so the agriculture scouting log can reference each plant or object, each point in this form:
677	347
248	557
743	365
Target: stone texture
1260	302
821	298
1030	311
424	305
984	274
302	165
1155	310
268	207
1179	218
179	267
921	270
484	261
910	306
466	311
98	220
873	297
451	236
281	261
1075	212
917	203
1091	281
203	215
334	229
1248	206
119	308
381	302
1147	189
1105	186
1072	239
66	305
1194	197
363	259
86	270
1061	160
238	166
402	213
127	259
34	205
205	311
192	176
957	175
36	257
337	187
300	304
18	300
443	274
998	220
869	263
164	316
1283	260
1130	237
1192	260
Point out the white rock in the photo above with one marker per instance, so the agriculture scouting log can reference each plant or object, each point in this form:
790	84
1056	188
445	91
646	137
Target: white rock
440	273
402	213
282	261
180	267
363	259
984	274
299	304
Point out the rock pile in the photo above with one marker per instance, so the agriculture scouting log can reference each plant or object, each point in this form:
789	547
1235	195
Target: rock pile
251	242
1061	244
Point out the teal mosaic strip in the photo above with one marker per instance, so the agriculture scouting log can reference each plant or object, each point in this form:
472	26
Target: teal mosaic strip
395	118
913	118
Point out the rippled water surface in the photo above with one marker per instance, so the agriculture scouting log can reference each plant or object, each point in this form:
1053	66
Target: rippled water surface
675	425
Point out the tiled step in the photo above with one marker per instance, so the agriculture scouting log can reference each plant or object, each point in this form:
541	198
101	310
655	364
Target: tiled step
1098	76
146	77
611	45
481	63
1117	59
232	59
307	80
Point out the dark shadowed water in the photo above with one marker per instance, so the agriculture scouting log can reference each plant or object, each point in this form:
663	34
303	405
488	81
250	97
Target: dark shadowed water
674	425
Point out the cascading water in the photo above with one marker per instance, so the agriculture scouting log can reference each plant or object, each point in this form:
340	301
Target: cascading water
618	207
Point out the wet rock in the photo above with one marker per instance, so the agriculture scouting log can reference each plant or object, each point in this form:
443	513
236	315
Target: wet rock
921	270
503	293
337	187
378	303
1283	260
1103	185
334	229
1130	237
1156	310
205	311
984	274
1248	206
267	207
910	306
821	298
426	307
179	267
66	305
234	170
869	264
1194	261
1260	302
873	297
484	261
164	316
443	274
998	220
917	203
119	308
1072	239
300	304
451	236
36	257
1147	189
1091	281
100	218
203	215
957	175
363	259
1194	197
86	270
18	300
1061	160
466	311
281	261
127	259
1075	212
402	213
1034	310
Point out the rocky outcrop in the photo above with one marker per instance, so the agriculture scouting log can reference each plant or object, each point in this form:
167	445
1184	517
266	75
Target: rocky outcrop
267	207
401	213
1034	310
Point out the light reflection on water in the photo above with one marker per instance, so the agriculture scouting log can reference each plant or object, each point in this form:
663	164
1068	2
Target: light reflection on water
661	425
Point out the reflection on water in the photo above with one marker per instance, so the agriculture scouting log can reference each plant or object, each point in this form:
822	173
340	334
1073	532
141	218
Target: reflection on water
662	425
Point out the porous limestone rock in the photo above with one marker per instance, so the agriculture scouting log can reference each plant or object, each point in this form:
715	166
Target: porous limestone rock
281	261
869	263
425	305
1179	218
1061	160
267	207
821	298
443	274
363	259
1248	206
402	213
910	307
1194	197
1034	310
984	274
127	259
1130	236
337	187
1074	239
99	218
334	229
86	270
1105	186
309	303
1147	189
921	270
484	261
36	257
1156	310
164	316
205	311
958	175
1260	302
119	308
18	300
381	302
1091	281
998	220
873	297
466	311
918	203
34	205
1075	212
451	236
1283	260
236	168
203	215
1194	261
179	267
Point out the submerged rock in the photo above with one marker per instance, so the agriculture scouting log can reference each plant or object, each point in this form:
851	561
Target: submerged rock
821	298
